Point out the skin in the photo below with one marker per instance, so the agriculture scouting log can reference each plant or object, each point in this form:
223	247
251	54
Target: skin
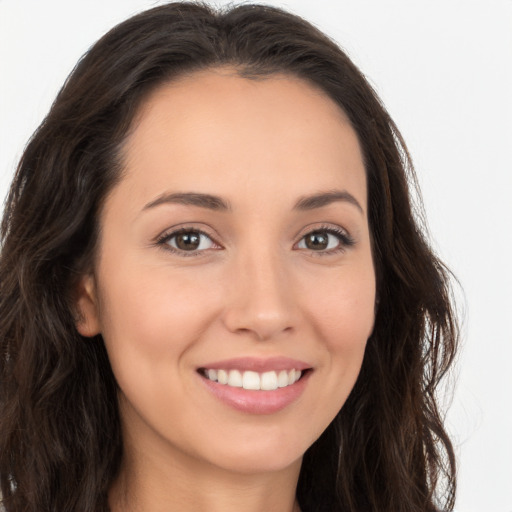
252	289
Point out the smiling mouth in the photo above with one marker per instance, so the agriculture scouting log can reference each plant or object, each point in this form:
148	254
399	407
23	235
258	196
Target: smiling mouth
251	380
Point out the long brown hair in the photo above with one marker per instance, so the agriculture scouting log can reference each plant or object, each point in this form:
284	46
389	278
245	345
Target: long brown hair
60	438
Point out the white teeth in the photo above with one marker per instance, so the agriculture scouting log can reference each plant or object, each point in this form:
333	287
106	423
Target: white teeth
282	379
235	379
269	381
251	380
222	376
266	381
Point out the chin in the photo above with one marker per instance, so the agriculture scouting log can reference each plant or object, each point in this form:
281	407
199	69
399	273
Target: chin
266	454
259	463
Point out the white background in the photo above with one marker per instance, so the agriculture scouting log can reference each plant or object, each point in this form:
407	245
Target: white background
444	71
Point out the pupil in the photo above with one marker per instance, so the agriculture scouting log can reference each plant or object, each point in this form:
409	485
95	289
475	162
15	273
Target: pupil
187	241
317	241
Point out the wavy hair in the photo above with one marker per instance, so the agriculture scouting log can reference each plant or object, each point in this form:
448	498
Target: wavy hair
60	436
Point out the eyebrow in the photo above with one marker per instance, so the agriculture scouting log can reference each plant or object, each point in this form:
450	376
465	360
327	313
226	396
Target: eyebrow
326	198
216	203
191	199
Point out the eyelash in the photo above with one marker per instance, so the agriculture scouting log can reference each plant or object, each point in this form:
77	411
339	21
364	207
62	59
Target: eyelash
163	241
344	239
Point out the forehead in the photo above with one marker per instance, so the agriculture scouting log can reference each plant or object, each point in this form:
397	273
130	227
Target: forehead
226	134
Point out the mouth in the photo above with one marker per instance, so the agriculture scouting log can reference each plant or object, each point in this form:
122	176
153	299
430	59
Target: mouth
252	380
256	385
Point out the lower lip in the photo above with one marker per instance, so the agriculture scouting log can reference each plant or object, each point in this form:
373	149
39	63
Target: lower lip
257	401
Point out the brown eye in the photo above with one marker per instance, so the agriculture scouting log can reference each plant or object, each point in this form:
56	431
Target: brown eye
325	240
317	241
190	241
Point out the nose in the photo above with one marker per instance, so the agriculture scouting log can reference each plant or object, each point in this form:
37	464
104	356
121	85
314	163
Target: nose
260	298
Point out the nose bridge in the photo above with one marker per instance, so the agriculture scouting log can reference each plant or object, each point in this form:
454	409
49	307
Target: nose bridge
260	295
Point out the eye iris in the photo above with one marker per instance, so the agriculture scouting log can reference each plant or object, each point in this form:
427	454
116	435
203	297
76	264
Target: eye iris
188	241
317	241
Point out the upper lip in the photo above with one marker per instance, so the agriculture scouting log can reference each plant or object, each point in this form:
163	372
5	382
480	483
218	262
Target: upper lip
258	364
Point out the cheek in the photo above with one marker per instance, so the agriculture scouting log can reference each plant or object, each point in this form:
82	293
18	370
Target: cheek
344	314
128	308
151	322
341	314
343	309
148	314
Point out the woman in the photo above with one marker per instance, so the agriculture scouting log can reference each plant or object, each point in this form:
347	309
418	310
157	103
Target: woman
214	292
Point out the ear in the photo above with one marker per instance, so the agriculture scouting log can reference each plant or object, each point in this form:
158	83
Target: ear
87	311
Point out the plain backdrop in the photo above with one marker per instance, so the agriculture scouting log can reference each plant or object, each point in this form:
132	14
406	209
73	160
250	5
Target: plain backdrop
444	70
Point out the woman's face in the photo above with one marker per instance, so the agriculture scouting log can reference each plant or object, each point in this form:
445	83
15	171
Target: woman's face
235	248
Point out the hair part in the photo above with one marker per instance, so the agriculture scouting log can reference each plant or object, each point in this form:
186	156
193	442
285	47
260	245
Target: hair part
60	431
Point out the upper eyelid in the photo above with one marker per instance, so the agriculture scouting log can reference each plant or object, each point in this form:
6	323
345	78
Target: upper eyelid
322	226
176	230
